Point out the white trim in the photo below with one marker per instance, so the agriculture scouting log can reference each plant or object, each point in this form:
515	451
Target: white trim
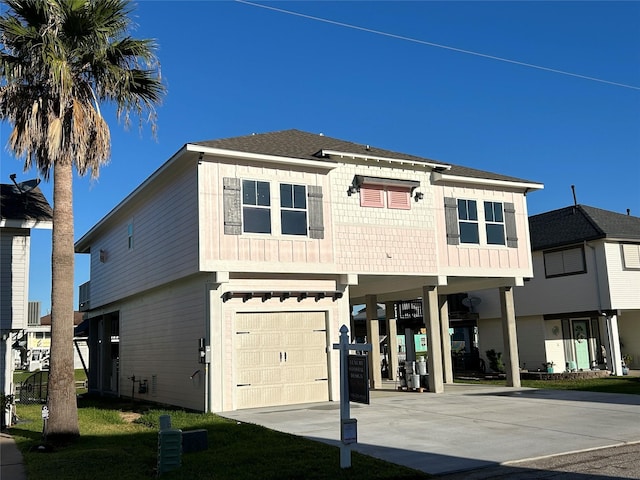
11	223
440	177
321	164
383	159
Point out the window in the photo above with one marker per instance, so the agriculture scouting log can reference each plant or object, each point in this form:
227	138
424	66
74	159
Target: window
256	206
130	236
468	221
247	208
293	209
494	222
569	261
631	255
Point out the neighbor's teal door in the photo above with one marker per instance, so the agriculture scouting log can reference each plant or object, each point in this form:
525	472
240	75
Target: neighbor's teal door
581	343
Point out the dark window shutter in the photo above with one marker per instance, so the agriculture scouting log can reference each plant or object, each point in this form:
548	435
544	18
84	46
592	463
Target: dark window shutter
510	225
316	220
232	206
451	219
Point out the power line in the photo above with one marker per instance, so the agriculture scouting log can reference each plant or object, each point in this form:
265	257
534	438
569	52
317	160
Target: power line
437	45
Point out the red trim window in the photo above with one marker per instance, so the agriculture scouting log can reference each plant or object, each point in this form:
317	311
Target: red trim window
372	196
399	198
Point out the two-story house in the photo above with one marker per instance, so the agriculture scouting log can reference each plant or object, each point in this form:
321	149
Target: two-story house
222	281
22	207
581	309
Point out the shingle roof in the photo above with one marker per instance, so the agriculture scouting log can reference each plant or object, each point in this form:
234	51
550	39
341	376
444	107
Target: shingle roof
307	146
580	223
31	205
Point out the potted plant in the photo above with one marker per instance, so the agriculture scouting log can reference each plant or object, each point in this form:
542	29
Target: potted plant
626	361
548	366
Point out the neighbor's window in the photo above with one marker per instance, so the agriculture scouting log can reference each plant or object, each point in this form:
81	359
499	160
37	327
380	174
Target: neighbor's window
631	255
494	221
468	221
130	236
569	261
293	209
256	206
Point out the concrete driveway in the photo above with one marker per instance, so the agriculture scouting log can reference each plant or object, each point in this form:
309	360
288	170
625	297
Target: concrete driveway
467	427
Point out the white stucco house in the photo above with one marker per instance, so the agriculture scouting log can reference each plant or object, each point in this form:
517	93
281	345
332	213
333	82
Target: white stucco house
22	207
222	281
582	306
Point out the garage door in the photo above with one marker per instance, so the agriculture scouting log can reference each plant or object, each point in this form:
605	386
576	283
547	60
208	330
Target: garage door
281	358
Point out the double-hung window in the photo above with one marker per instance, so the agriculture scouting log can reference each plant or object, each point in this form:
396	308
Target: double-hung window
468	221
256	206
293	209
494	222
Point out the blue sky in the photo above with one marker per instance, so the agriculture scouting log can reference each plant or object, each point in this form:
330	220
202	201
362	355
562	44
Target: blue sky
234	69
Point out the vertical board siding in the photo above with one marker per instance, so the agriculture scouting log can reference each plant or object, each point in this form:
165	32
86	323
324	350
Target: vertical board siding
222	203
513	258
165	230
14	277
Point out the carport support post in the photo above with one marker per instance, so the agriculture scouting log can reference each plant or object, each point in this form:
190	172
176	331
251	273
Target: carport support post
373	337
434	343
392	340
510	338
446	338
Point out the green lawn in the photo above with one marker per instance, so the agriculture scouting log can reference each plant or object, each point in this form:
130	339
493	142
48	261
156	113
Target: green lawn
20	376
119	441
623	384
112	447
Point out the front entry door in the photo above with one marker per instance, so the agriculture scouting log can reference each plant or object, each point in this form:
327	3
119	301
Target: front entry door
581	343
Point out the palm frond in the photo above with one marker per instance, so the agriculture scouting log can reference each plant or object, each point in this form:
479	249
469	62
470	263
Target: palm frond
59	59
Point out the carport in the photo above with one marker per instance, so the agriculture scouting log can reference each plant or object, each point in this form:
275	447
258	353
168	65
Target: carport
371	290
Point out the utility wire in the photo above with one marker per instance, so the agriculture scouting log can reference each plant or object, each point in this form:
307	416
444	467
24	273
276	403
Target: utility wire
437	45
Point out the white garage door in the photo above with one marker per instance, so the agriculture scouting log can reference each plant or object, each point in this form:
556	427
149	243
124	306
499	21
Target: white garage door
281	358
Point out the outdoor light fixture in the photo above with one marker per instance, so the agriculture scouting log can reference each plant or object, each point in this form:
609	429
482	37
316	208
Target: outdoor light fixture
351	190
418	196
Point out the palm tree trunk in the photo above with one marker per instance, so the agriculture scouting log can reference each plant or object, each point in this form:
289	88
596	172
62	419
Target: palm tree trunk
63	412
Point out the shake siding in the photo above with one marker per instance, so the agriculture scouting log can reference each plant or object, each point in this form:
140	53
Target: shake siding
159	334
383	240
624	284
14	277
482	259
165	236
273	252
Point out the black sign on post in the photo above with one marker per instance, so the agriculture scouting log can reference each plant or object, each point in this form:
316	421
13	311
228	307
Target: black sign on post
359	378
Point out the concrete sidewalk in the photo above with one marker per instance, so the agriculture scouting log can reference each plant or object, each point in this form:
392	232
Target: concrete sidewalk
467	427
11	462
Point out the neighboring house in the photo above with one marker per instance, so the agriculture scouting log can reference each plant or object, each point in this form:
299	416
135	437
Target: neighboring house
582	306
222	281
34	344
22	207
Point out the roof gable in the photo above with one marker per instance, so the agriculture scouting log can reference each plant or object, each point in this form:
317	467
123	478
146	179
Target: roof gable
580	223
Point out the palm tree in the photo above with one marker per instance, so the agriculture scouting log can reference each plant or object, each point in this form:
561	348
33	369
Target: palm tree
59	60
